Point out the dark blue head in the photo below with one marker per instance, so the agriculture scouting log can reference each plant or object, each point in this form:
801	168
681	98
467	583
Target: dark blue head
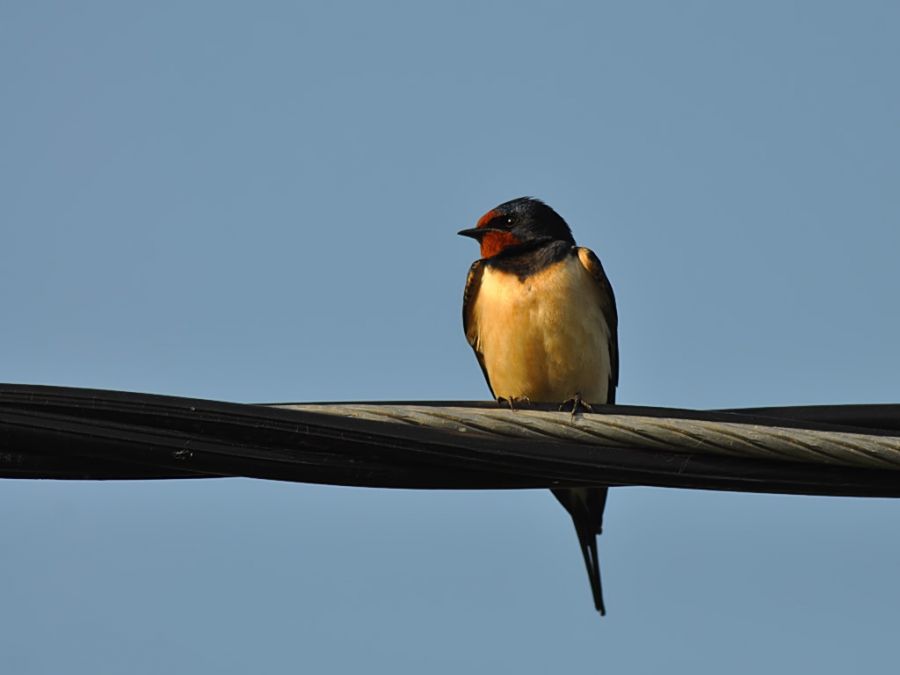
520	223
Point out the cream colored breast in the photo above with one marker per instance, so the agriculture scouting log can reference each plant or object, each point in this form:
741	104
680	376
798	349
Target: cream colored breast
544	338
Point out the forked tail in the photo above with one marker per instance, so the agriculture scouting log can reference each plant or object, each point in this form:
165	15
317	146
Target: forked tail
586	505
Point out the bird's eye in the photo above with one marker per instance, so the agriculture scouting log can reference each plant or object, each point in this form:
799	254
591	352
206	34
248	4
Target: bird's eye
502	222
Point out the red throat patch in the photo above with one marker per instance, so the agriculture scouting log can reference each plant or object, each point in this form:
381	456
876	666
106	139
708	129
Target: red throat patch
493	243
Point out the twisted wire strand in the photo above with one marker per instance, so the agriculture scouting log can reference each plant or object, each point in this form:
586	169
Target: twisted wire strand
734	439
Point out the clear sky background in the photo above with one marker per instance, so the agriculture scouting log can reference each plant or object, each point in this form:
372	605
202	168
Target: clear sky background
259	201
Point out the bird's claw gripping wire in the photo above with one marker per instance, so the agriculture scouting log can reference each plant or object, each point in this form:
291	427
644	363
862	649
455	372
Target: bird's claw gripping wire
578	405
513	401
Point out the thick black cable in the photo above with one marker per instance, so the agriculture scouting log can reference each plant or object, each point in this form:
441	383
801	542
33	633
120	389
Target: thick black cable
56	432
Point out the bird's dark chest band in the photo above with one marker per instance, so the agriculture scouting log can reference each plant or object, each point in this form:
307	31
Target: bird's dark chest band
524	263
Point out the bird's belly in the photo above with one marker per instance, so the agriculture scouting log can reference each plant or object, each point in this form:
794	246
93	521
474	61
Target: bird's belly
544	338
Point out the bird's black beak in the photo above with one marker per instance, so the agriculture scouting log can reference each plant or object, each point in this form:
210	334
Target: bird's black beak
477	232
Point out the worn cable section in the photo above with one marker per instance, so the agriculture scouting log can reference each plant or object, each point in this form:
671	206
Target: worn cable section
750	441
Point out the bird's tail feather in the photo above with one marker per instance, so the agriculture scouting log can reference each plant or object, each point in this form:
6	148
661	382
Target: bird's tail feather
586	505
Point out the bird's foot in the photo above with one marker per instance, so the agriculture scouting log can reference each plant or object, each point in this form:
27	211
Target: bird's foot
578	405
513	401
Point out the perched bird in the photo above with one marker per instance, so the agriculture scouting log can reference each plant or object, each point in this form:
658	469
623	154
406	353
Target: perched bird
541	316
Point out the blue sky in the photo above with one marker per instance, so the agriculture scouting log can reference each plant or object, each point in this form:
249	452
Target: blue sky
258	202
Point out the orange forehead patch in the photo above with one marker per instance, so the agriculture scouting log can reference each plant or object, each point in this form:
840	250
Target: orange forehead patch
486	218
493	243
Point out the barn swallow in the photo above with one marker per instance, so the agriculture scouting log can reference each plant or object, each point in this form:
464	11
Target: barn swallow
541	316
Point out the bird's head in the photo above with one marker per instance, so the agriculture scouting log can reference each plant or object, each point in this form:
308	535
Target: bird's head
519	224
